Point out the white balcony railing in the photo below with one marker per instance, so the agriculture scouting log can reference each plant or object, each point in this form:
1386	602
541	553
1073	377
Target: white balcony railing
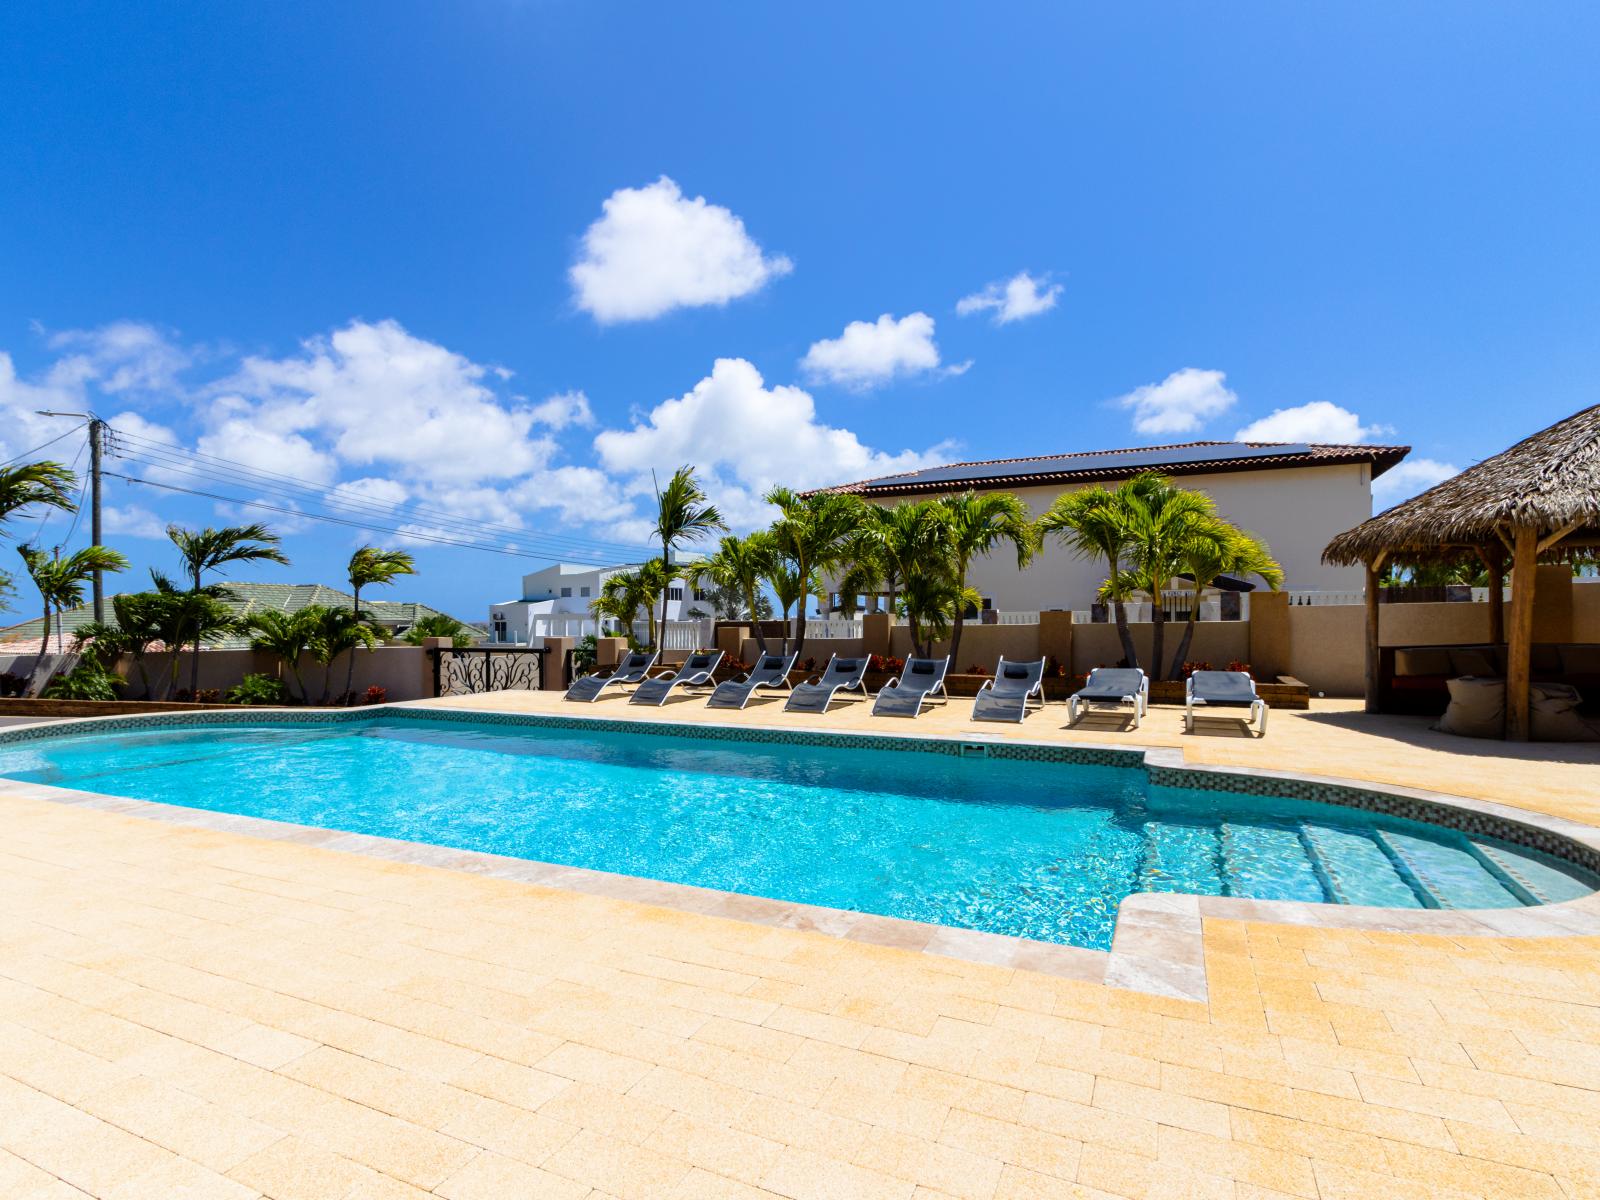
833	627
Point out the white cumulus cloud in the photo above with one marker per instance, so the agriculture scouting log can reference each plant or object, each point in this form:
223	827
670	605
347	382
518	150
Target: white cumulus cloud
133	521
563	409
372	393
1406	479
1014	299
870	353
1180	403
746	437
1318	421
654	250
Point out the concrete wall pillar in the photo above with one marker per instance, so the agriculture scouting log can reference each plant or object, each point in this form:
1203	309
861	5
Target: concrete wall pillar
555	662
1055	636
875	633
731	639
1271	649
609	651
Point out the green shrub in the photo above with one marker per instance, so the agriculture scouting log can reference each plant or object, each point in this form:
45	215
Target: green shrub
84	682
583	654
258	689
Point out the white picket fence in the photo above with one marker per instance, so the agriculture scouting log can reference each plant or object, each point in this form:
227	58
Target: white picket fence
1016	618
1321	599
684	635
833	627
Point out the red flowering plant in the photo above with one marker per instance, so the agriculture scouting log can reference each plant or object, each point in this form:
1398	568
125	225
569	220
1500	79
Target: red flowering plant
1242	666
975	669
376	695
886	663
1189	668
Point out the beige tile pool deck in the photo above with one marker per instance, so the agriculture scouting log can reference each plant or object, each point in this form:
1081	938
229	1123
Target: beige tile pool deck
190	1012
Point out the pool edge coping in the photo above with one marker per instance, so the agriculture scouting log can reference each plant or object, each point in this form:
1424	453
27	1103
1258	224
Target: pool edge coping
1158	939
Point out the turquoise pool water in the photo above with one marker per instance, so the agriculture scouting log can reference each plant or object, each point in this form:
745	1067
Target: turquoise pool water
1039	850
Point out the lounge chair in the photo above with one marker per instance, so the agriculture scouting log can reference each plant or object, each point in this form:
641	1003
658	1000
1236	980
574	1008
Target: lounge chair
635	668
771	673
905	694
1112	687
698	670
840	675
1016	687
1224	689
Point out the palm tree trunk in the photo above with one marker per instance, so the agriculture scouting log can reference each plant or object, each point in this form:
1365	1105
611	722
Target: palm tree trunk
194	665
1119	611
44	642
1178	659
800	611
1158	629
755	620
666	590
350	668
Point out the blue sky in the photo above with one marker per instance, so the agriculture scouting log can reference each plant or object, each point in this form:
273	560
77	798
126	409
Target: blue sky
486	264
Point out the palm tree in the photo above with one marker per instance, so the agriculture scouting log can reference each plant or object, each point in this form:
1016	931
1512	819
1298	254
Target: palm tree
372	567
202	616
47	483
285	636
438	625
1218	549
908	545
621	597
813	532
60	580
787	587
1095	522
976	523
737	568
211	550
138	617
332	632
683	514
1163	518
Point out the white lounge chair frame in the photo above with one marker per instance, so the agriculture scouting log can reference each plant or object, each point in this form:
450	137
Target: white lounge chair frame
935	693
621	675
1257	714
682	676
854	682
1079	702
1033	697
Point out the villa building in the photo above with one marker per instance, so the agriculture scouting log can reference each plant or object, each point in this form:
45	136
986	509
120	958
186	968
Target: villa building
555	602
1295	496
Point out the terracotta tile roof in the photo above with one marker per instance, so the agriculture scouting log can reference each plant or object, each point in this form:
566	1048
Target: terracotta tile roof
1187	458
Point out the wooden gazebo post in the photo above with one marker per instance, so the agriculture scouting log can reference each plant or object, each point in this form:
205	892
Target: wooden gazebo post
1374	572
1494	564
1519	647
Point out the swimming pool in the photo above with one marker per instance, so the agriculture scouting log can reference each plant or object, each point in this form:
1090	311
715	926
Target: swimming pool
1042	850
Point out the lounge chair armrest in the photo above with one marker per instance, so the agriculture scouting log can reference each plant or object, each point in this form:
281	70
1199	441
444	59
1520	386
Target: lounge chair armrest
893	681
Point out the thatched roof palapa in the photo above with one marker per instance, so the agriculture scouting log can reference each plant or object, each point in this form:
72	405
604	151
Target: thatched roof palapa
1549	482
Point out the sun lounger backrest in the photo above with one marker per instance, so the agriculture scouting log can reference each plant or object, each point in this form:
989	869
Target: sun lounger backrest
636	660
1017	678
772	662
698	662
1222	685
1127	680
920	666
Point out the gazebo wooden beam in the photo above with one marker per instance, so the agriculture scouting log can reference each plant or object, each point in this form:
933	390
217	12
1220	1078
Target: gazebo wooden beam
1374	571
1519	648
1494	564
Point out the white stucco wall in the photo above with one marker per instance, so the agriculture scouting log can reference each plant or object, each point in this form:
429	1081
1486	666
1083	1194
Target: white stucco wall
1297	510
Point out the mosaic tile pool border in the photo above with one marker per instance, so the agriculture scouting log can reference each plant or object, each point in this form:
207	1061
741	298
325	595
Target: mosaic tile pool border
1157	946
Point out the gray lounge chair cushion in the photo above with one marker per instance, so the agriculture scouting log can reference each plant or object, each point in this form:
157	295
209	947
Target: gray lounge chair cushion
697	668
771	672
1223	688
1112	684
841	673
1007	698
918	680
631	669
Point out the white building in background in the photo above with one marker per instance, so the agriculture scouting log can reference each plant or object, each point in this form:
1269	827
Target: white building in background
1295	496
555	602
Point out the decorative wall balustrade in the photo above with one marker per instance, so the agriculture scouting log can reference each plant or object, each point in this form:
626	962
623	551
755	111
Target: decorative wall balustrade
475	669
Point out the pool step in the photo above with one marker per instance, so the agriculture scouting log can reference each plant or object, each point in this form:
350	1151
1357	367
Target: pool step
1532	872
1454	875
1356	870
1268	862
1180	857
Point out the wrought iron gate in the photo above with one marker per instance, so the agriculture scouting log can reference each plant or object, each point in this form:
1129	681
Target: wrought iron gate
461	672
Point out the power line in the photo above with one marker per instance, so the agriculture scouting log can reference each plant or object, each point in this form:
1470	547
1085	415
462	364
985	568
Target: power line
295	512
45	446
295	490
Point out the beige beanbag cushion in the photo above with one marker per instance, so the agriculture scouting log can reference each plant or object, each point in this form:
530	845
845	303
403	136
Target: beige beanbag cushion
1477	708
1553	714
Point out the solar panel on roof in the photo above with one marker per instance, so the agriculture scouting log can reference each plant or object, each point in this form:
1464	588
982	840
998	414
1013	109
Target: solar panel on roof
1065	464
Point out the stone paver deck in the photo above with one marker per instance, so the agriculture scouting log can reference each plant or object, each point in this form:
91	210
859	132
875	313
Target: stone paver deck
187	1012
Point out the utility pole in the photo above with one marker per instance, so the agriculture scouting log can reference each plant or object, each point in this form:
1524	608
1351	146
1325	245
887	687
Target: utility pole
97	429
